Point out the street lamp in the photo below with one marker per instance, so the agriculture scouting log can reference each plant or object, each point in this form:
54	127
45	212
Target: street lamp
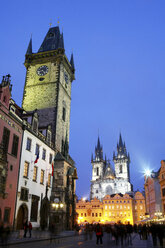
57	208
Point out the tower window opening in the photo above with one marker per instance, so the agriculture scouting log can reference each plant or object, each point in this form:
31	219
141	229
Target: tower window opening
63	113
4	99
120	169
97	171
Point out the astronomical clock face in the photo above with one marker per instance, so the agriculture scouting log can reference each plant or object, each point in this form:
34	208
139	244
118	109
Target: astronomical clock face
42	70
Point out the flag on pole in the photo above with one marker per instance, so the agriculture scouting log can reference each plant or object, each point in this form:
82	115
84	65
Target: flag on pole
52	168
36	160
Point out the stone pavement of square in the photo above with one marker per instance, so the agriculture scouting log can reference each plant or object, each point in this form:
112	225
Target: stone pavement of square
80	242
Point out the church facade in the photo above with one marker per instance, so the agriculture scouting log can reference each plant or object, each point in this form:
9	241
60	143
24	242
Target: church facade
107	180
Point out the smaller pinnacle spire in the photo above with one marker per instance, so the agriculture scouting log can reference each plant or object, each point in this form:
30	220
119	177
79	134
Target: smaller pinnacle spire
29	49
92	157
72	62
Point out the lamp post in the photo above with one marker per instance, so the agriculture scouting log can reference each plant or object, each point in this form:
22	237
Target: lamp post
57	208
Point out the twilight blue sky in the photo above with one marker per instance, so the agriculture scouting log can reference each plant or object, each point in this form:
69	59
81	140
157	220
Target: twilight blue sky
119	52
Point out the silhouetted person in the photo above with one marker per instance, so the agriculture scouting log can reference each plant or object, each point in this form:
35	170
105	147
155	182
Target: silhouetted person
99	234
129	233
160	232
30	229
25	227
153	231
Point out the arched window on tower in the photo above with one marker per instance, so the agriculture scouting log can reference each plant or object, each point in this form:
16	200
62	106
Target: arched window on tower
97	171
120	169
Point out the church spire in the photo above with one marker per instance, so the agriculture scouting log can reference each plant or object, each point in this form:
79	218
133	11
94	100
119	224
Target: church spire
29	49
98	151
120	141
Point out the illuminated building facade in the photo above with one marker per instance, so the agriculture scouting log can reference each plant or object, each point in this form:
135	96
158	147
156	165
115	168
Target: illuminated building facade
35	173
152	194
105	179
10	148
162	184
116	208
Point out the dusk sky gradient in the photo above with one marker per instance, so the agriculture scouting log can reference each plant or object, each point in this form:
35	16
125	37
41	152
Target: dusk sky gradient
119	53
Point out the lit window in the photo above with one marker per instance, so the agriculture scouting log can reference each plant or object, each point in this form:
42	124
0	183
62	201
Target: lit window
117	206
26	169
120	207
42	177
109	213
128	207
135	207
49	180
109	207
105	213
35	173
105	206
112	207
141	207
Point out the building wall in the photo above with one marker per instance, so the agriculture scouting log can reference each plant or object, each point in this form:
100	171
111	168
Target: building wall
152	195
113	209
34	187
162	184
9	120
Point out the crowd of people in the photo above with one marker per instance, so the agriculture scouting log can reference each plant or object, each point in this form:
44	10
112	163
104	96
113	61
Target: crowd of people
122	234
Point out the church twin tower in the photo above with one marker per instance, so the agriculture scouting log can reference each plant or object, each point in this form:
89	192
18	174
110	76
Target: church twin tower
105	180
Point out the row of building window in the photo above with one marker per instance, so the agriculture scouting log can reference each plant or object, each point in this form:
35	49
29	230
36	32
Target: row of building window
128	207
117	206
37	150
93	214
35	171
117	214
117	201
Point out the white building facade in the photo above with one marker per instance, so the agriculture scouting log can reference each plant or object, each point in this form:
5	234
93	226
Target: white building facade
105	179
36	173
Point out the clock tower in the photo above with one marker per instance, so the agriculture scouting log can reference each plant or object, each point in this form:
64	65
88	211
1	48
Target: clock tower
49	76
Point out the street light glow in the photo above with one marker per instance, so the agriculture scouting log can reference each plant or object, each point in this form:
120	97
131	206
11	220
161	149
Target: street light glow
147	173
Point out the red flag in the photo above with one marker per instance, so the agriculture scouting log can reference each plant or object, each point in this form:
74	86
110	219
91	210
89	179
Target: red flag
52	169
36	158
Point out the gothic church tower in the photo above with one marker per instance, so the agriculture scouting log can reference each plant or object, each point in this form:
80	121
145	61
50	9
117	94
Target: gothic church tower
122	161
98	164
49	76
